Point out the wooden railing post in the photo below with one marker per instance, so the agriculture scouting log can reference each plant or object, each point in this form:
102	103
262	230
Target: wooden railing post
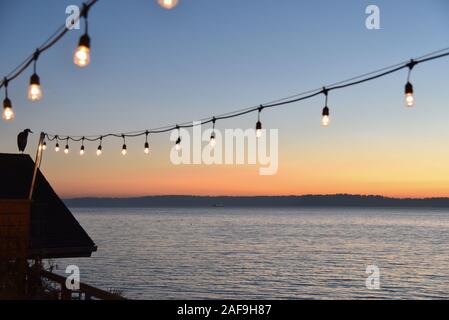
36	163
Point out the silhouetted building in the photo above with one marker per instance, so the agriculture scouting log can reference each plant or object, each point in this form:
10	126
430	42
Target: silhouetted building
45	224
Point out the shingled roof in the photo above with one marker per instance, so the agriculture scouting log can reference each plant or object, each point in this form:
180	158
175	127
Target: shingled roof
54	231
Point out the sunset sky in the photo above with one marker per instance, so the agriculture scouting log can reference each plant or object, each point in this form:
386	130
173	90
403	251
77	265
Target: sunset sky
152	67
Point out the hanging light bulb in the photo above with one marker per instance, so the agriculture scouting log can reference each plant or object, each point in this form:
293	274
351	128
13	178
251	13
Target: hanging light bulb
99	149
8	113
34	90
259	124
409	98
66	149
124	151
57	144
168	4
212	141
44	146
82	54
146	149
82	148
325	113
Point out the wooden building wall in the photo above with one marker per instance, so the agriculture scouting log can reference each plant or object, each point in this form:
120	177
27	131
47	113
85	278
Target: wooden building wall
14	228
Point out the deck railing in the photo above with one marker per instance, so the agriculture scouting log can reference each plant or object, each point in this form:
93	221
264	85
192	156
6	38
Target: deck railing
86	292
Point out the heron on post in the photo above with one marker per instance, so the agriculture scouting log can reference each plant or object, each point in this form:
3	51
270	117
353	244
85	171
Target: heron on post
22	139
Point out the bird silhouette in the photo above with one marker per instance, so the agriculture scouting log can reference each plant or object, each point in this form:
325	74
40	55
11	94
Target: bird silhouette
22	139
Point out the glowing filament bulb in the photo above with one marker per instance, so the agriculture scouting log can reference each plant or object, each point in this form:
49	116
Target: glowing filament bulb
325	118
82	54
409	99
66	150
34	91
168	4
57	147
212	140
146	150
258	129
8	113
178	144
82	151
99	150
124	151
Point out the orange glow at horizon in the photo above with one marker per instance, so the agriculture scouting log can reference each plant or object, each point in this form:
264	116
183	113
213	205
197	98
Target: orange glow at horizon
388	173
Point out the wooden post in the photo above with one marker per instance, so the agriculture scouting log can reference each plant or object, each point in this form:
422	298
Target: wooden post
36	164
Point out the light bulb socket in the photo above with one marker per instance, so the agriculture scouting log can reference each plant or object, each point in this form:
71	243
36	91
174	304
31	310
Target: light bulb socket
82	148
325	111
124	147
35	79
259	125
178	141
408	88
99	148
7	103
147	145
84	41
67	147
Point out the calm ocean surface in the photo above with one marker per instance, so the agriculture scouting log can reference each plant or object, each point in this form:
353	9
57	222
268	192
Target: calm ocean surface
266	253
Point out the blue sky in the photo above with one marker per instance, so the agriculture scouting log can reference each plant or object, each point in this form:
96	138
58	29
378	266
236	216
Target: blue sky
151	67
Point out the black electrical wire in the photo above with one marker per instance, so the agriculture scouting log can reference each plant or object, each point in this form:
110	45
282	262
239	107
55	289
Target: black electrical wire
280	102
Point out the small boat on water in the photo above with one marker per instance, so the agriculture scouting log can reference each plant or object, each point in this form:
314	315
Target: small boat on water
218	205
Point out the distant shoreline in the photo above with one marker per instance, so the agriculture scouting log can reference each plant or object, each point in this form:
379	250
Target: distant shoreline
337	200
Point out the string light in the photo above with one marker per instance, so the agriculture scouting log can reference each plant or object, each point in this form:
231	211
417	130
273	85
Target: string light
66	149
8	113
409	98
82	54
124	151
212	141
99	149
280	102
259	124
34	90
178	141
44	146
325	113
168	4
82	147
146	149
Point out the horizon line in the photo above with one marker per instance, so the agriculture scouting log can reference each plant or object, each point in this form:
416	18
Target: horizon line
256	196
